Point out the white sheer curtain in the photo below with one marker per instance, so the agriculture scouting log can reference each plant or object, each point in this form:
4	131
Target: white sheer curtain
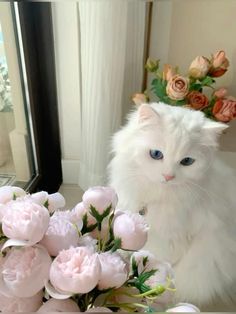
111	45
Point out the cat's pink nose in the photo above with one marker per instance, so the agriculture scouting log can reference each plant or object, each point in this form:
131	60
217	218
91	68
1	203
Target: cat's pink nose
168	177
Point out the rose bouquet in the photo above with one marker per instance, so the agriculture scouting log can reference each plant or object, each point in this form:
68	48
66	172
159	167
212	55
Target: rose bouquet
85	259
190	90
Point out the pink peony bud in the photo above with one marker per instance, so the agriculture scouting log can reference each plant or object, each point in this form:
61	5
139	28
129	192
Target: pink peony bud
13	304
24	271
25	220
54	305
100	197
79	211
184	308
139	257
163	275
39	197
7	193
61	233
55	201
113	271
220	93
132	229
76	270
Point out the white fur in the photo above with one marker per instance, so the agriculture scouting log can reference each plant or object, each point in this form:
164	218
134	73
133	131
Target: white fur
192	217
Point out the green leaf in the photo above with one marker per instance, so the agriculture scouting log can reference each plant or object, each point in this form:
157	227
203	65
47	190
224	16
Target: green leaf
134	267
14	196
116	245
195	86
145	260
207	81
87	228
46	204
146	275
106	211
159	87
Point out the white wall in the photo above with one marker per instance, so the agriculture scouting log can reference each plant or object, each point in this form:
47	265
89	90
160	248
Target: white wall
66	40
184	29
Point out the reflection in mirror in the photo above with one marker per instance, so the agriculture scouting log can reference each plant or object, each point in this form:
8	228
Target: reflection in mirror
16	165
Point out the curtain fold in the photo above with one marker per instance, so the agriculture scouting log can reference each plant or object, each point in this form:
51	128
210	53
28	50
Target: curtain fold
111	55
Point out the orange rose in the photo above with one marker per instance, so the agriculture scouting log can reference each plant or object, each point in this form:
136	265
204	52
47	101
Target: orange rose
197	100
225	109
177	87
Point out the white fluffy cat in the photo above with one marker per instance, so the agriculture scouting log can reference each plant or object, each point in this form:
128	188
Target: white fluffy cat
165	161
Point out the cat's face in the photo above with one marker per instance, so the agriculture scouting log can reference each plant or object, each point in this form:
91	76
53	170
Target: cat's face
174	145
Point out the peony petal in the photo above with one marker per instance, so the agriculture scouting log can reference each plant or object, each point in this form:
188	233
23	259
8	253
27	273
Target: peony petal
56	294
15	242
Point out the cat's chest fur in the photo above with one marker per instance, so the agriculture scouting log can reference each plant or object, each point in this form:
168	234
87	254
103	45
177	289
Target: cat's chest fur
174	222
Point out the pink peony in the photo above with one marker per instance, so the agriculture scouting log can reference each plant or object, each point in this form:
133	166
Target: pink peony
76	270
54	305
184	308
113	271
98	310
100	198
177	87
199	67
219	64
55	201
7	193
25	220
24	271
224	110
61	233
13	304
132	229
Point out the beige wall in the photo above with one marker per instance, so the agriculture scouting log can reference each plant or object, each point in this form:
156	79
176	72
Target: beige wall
183	29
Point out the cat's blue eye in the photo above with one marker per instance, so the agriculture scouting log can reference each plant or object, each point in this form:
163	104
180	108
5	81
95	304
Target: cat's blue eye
156	154
187	161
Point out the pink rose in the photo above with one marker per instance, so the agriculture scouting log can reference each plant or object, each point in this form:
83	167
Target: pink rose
199	67
61	233
224	110
220	93
177	87
197	100
76	270
219	64
168	72
113	271
24	271
101	198
132	229
13	304
184	308
25	220
54	305
139	99
7	193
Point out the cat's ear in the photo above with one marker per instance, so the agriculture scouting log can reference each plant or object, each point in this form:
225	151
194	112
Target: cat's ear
147	113
212	130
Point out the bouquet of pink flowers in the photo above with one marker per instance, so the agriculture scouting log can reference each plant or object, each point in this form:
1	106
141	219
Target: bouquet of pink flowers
172	88
86	259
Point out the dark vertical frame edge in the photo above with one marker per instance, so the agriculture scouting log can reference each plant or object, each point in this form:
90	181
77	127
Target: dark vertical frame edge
38	44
